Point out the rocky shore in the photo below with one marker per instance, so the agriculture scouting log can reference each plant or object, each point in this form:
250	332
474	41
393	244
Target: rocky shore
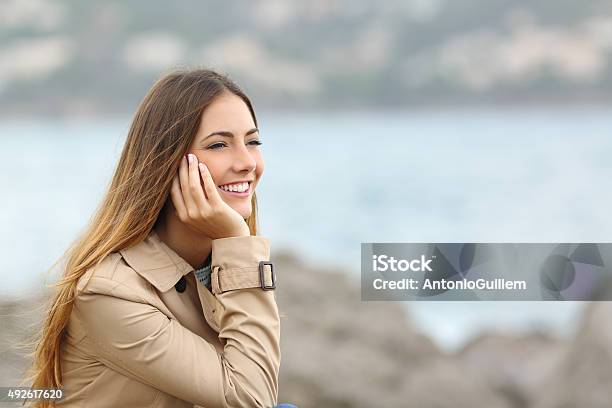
341	352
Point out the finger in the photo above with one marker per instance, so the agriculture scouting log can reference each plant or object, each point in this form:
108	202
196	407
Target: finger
177	198
184	182
209	185
195	186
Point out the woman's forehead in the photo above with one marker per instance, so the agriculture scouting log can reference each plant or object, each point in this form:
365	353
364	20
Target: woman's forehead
227	112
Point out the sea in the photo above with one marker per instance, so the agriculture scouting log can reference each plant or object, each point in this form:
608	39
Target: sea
333	180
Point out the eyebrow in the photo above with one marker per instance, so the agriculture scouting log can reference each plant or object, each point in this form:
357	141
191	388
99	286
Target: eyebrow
226	133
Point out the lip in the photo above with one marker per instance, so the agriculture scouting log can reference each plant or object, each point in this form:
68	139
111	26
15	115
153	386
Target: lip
237	181
236	194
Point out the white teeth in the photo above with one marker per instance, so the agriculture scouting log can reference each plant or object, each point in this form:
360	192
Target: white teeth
239	188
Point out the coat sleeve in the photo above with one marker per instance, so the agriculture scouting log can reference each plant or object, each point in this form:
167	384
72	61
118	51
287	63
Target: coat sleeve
138	340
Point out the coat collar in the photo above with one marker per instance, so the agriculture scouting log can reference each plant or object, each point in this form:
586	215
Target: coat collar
156	262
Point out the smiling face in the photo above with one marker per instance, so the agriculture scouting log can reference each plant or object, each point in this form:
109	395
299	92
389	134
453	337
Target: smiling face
228	143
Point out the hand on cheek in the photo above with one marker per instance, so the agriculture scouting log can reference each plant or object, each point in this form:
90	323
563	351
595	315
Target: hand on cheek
199	204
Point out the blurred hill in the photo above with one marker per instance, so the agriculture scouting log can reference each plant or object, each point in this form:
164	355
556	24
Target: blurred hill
67	56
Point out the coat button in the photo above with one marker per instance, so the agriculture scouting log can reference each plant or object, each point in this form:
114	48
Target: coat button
181	285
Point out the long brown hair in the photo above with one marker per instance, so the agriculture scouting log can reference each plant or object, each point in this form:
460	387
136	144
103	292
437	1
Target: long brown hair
160	135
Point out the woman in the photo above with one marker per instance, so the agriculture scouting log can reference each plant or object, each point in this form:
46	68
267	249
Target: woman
167	298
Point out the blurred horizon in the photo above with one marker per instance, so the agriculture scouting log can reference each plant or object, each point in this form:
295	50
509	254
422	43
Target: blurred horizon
68	58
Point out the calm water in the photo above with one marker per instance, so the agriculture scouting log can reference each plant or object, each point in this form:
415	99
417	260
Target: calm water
333	181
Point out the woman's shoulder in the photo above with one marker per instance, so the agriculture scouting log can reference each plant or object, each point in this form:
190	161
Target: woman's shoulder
113	276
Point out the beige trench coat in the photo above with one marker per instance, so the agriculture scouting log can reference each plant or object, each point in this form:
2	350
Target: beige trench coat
134	341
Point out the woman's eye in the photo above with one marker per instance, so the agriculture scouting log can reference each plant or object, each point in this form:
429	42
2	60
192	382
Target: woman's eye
219	145
216	145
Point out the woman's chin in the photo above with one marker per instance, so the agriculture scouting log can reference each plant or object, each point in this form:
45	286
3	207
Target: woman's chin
242	207
244	211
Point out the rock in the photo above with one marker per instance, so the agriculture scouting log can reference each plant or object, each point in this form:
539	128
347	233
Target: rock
19	320
341	352
583	377
514	365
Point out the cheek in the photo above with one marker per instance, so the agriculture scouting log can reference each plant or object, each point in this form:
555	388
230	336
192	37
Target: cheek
214	170
260	167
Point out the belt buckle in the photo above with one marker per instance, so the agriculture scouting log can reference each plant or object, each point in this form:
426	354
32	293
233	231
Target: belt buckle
261	275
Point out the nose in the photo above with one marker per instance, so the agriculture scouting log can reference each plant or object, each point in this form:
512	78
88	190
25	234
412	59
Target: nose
243	160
